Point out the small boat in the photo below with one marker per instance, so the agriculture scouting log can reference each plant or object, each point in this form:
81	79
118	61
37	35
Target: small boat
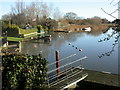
87	29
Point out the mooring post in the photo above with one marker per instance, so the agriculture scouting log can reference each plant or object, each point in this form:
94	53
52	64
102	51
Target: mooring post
58	63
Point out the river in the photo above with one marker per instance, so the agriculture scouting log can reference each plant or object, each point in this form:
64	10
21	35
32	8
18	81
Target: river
102	54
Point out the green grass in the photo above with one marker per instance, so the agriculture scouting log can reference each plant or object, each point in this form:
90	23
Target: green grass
14	39
27	31
1	38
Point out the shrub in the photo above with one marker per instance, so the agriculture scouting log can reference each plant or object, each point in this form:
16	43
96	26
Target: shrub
22	71
13	30
39	27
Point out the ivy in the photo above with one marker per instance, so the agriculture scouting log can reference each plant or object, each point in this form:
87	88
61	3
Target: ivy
22	71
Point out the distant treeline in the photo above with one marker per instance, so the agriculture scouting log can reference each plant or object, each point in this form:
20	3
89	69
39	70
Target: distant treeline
40	13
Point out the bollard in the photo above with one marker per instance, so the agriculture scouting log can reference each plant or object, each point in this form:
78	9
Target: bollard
58	63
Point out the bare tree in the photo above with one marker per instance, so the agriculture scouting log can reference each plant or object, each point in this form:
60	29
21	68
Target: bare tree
22	13
56	14
19	7
30	12
116	10
116	33
70	15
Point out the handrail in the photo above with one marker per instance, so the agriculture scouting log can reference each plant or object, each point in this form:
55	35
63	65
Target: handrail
60	73
66	78
66	64
62	59
55	76
75	81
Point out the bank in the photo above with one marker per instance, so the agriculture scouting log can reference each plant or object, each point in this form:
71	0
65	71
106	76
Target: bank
79	28
99	80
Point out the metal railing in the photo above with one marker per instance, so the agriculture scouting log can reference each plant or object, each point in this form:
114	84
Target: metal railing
62	59
68	71
66	65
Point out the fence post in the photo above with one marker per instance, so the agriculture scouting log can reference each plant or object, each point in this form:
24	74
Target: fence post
58	63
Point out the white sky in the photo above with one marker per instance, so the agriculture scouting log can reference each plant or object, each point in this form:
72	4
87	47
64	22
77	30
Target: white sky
83	8
61	0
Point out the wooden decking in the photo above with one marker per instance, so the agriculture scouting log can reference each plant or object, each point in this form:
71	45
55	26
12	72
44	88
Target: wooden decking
104	78
75	75
68	79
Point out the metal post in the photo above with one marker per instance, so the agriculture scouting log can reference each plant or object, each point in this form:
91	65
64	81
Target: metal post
58	63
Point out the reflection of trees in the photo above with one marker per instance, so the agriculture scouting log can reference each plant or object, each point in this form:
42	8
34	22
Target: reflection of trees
95	33
71	37
116	28
115	35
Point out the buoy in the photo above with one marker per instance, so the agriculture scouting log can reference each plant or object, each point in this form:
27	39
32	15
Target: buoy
31	37
72	45
69	43
80	50
76	47
99	56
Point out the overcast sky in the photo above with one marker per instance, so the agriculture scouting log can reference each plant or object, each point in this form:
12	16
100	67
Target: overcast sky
83	8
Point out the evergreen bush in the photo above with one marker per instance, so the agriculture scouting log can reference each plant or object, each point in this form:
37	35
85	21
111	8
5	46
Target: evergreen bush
22	71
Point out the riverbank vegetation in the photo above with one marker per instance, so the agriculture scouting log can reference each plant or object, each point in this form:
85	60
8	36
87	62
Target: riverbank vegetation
21	71
14	39
48	17
24	31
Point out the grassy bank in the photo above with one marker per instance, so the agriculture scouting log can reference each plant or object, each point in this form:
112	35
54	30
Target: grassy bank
14	39
27	31
1	38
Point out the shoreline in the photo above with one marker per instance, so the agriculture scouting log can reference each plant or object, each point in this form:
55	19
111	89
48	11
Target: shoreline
78	28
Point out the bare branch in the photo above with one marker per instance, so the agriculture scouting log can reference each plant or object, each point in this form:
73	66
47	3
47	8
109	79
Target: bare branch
109	14
111	1
117	3
115	11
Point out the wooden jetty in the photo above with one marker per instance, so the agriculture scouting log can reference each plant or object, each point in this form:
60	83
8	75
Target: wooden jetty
71	75
67	75
69	79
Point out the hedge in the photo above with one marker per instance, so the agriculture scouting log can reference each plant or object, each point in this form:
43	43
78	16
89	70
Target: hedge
22	71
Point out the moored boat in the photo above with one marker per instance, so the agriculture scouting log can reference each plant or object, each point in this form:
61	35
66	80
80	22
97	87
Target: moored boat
87	29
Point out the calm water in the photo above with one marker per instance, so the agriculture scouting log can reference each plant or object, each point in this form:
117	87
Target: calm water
101	56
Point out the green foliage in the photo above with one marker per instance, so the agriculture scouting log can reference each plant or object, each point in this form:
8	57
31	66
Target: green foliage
39	27
23	71
27	31
14	39
13	27
9	29
5	24
48	23
12	30
46	28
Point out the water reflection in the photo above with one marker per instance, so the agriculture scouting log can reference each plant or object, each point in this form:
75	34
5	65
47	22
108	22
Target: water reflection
95	33
70	43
